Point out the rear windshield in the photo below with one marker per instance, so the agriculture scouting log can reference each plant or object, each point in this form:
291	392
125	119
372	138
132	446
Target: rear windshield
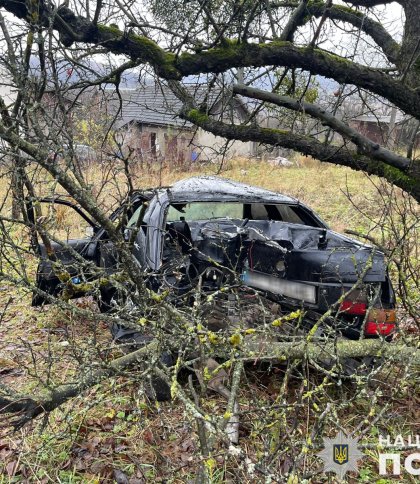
232	210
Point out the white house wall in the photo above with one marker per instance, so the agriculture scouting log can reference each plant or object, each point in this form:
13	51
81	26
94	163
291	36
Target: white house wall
172	145
176	146
210	146
7	92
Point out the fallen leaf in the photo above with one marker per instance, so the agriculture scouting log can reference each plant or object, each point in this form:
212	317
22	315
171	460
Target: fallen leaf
11	468
148	437
120	477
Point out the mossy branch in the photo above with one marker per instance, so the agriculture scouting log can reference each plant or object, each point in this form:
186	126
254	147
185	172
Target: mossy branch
342	13
364	144
26	408
309	146
316	61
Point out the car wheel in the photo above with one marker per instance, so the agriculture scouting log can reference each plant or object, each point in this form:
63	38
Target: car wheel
362	367
130	340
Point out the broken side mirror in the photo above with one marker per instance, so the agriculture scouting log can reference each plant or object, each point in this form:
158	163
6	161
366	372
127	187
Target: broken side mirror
322	240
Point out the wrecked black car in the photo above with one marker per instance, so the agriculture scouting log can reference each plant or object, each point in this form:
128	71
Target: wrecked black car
263	245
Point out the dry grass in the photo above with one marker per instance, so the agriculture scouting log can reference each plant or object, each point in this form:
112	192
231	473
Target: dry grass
332	191
326	188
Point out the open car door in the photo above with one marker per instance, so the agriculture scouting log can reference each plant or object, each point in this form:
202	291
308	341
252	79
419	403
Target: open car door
77	246
62	232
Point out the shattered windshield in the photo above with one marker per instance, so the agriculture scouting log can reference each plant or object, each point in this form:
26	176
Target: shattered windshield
204	211
195	211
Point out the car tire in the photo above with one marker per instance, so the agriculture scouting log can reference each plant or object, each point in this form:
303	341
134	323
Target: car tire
156	388
360	366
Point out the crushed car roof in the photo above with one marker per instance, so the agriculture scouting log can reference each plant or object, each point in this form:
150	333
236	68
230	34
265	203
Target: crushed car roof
203	186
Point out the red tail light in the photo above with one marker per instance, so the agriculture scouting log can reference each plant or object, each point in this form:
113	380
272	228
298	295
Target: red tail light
380	321
353	307
384	329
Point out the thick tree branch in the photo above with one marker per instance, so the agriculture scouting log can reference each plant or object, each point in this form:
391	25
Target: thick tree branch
294	21
320	351
356	18
316	61
370	3
409	57
365	145
306	145
27	408
73	28
30	408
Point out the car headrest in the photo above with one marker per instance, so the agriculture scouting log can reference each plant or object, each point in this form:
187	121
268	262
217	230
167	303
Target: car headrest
180	232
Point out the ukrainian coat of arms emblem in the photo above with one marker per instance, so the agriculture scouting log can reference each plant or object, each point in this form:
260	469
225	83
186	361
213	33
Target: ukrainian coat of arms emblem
340	453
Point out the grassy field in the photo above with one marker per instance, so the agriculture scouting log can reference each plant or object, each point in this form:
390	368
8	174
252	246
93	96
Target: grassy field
325	188
115	427
333	191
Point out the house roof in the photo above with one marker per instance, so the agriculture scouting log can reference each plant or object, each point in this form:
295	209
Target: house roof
150	105
371	118
156	104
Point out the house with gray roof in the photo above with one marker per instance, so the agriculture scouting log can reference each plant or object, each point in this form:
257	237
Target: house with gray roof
150	128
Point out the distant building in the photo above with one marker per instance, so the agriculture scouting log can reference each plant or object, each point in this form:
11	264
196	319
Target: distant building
377	128
405	130
7	91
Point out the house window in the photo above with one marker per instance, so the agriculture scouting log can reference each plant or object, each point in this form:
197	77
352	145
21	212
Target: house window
153	143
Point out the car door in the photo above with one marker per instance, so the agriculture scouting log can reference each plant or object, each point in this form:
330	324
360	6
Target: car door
68	254
61	232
